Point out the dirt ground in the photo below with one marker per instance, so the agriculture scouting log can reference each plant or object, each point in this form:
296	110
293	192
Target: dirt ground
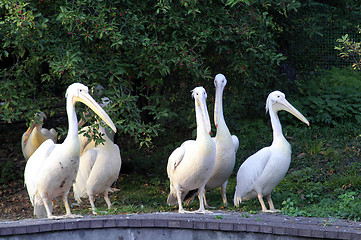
14	200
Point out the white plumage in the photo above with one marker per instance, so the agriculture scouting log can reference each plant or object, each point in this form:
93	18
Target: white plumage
191	165
226	144
261	172
35	135
99	167
51	170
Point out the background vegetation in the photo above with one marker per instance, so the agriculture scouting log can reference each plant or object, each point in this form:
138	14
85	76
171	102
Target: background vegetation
149	55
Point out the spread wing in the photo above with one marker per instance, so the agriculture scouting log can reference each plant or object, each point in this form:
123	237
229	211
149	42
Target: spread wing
249	172
34	165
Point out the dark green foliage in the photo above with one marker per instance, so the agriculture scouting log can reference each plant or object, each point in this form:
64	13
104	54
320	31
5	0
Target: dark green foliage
147	55
333	97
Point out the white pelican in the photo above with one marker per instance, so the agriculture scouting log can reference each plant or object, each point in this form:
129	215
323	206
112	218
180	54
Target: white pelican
51	170
191	165
262	171
226	144
99	167
35	135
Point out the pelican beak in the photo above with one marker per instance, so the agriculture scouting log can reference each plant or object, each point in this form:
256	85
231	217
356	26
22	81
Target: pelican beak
28	132
205	116
285	105
90	102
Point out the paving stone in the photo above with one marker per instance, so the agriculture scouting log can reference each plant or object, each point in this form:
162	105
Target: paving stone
97	223
213	225
265	229
174	223
123	222
135	223
83	224
33	228
110	223
46	227
187	224
147	222
332	234
305	232
317	233
240	227
226	226
279	230
291	231
6	231
160	223
58	226
253	227
200	225
344	235
19	230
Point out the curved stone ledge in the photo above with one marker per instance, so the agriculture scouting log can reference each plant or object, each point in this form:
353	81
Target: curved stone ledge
220	225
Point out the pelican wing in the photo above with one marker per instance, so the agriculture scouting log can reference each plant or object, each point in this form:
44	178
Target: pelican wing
249	172
175	159
235	143
87	161
177	156
33	166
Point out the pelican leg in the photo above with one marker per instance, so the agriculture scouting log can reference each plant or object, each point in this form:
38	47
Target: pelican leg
205	202
260	199
223	192
91	200
201	197
67	208
106	198
179	198
271	206
47	208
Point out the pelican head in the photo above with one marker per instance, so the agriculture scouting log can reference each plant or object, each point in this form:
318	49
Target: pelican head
38	119
78	92
220	82
200	95
277	101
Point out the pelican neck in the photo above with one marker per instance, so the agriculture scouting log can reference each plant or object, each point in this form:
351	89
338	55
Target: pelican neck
276	126
222	128
201	128
72	119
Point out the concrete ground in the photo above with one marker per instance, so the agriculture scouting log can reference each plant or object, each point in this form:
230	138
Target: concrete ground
171	225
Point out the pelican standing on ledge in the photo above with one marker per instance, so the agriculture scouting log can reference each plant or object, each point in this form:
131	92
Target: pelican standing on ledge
99	167
191	165
52	169
226	144
262	171
36	135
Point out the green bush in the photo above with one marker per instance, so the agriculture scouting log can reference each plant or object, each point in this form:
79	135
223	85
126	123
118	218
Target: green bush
333	97
147	55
